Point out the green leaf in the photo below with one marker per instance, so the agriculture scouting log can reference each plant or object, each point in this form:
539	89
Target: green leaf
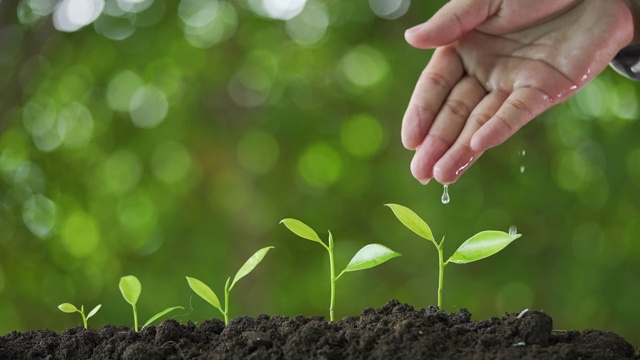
301	229
130	288
250	264
94	311
160	314
369	256
68	308
205	292
411	220
482	245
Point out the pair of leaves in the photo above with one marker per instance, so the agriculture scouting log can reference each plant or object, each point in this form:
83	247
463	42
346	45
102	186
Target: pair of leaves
479	246
131	288
205	292
70	308
369	256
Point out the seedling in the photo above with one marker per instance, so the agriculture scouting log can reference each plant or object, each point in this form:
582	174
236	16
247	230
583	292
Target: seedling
479	246
131	288
70	308
369	256
205	292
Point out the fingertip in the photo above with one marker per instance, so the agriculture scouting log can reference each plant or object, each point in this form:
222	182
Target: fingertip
414	37
410	32
442	177
419	172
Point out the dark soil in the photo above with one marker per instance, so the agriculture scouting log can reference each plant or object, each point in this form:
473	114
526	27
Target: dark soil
396	331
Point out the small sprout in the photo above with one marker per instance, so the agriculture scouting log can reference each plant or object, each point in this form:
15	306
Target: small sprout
131	288
70	308
205	292
479	246
369	256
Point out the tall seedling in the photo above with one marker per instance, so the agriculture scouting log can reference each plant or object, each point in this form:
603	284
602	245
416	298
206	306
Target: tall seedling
369	256
479	246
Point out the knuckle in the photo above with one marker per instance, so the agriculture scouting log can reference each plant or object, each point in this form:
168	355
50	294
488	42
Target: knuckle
439	138
480	118
458	108
422	113
435	79
520	105
505	123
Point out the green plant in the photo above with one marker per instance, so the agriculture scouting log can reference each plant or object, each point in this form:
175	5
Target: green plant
70	308
131	288
479	246
369	256
205	292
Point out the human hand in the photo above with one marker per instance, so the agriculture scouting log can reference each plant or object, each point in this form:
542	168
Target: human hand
497	65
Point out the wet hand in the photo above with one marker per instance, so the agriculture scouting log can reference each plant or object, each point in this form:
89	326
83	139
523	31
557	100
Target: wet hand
497	65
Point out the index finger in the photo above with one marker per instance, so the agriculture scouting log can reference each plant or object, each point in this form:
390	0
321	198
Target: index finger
443	71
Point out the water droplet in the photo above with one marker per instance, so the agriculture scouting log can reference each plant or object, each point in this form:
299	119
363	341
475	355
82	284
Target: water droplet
513	230
445	194
522	153
464	167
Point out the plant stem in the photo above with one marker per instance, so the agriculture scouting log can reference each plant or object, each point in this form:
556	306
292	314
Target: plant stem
135	317
441	264
333	277
84	318
226	307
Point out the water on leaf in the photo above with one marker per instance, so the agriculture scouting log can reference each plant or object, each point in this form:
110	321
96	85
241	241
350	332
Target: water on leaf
445	194
513	230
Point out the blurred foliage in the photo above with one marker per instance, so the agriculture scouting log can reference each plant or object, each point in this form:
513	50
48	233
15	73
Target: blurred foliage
163	139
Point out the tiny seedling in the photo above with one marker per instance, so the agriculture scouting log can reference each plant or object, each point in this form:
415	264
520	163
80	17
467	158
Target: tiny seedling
479	246
131	288
205	292
369	256
70	308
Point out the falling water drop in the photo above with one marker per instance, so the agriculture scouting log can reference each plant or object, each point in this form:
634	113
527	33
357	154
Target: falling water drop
522	153
445	194
513	230
521	169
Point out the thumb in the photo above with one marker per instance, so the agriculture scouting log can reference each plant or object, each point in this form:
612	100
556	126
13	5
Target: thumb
451	22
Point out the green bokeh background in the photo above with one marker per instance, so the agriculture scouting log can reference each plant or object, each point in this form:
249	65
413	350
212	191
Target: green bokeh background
169	140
